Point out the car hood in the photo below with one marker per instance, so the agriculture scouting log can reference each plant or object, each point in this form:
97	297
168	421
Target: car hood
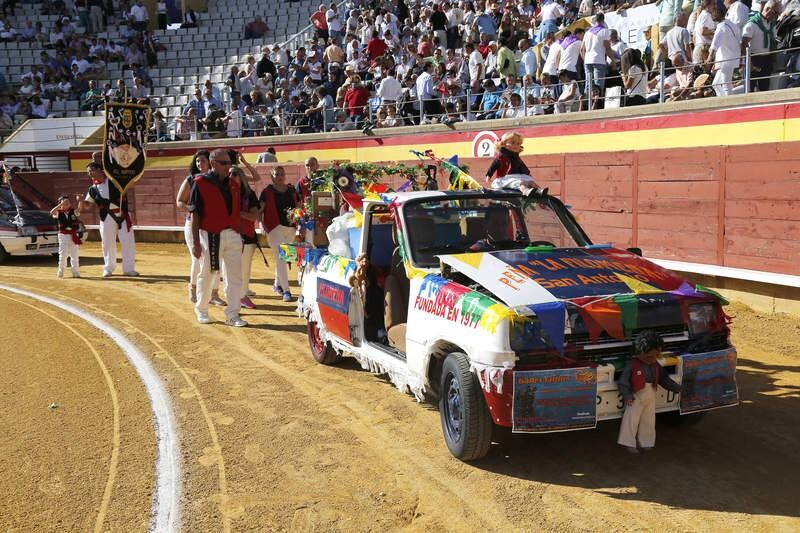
539	275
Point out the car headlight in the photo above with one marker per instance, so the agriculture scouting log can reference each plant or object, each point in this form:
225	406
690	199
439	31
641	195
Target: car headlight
701	317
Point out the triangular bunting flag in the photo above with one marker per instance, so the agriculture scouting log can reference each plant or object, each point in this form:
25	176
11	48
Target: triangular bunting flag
472	259
552	316
718	296
608	315
629	305
638	287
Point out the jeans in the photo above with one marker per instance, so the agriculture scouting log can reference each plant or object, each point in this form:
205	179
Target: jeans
597	71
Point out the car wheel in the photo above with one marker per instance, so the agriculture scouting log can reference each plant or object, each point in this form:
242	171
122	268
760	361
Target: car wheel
321	351
675	418
466	422
3	255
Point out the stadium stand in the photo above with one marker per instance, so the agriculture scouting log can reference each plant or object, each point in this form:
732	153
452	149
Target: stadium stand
391	63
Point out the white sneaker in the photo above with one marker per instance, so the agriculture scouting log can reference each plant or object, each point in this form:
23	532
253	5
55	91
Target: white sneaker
59	274
106	274
203	318
216	300
76	274
131	273
236	322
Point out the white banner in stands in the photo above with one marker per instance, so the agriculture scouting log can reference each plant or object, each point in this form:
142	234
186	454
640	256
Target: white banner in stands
632	23
52	134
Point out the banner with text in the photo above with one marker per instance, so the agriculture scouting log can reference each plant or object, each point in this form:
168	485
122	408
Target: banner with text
708	381
554	400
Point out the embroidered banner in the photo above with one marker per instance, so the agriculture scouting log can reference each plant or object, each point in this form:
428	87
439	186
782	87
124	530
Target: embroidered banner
124	141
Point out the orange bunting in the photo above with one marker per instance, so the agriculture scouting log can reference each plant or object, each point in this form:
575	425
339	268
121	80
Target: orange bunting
603	315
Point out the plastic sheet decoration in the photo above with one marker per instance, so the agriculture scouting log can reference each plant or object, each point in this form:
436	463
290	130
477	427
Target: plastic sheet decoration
287	253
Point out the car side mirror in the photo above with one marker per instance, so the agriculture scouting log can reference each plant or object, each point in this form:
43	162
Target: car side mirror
635	250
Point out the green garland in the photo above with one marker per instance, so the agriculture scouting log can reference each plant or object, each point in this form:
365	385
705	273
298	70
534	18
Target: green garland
364	174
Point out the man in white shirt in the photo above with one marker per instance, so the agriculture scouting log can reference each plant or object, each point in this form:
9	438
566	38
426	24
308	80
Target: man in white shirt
724	52
390	89
759	36
426	93
570	52
595	48
475	66
334	22
139	89
738	13
526	68
550	68
140	16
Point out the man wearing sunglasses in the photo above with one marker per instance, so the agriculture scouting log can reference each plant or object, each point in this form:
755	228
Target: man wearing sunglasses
215	205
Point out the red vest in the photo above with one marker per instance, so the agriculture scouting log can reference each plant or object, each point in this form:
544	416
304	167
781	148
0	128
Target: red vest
271	218
638	378
215	216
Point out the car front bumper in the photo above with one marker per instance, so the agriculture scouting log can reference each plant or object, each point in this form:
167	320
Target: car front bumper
39	244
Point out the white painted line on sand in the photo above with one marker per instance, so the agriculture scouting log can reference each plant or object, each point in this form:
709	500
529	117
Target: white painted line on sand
165	513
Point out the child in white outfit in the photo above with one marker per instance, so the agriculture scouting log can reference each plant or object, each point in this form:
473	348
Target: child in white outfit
68	239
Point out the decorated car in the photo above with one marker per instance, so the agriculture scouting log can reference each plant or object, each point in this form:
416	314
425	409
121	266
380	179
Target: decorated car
500	306
24	229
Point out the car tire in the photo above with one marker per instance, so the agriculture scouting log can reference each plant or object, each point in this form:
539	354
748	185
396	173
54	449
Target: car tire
466	421
3	255
676	419
321	350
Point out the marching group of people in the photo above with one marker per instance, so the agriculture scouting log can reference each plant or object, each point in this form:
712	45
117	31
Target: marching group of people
222	213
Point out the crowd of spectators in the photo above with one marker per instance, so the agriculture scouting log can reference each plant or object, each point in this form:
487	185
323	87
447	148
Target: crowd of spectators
73	61
387	63
384	64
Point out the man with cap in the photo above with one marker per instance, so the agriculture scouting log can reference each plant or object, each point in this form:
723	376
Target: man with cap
215	205
115	222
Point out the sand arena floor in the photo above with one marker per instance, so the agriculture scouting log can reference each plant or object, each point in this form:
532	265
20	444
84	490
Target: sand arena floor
269	440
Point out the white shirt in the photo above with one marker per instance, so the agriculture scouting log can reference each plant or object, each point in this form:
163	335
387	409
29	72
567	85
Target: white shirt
425	86
639	86
704	20
551	63
552	11
83	65
618	47
334	20
390	89
727	43
756	38
595	45
235	123
738	13
139	13
527	63
475	62
569	57
102	188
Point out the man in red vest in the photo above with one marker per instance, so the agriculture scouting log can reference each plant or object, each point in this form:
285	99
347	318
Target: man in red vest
215	207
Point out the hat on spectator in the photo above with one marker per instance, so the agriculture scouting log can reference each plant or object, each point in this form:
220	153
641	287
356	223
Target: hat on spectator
333	65
349	68
492	43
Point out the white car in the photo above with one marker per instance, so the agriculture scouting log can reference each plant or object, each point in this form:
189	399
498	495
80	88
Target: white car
494	303
24	228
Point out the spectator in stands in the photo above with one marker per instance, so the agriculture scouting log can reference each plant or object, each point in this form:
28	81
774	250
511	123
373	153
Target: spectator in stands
514	107
703	28
139	89
158	128
355	100
255	29
319	22
321	115
8	6
97	15
93	98
186	124
429	99
214	121
265	65
343	122
139	16
634	77
738	12
569	53
121	92
759	36
569	99
334	22
677	40
161	10
595	49
189	18
724	53
208	100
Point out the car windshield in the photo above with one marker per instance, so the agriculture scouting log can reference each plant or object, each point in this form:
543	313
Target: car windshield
7	201
445	226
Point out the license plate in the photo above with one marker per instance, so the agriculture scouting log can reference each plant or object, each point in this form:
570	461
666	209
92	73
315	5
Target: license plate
610	403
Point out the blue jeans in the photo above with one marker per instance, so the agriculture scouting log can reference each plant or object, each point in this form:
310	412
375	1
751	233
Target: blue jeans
598	73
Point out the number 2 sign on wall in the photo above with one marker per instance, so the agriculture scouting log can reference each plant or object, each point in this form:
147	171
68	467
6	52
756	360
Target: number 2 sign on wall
483	144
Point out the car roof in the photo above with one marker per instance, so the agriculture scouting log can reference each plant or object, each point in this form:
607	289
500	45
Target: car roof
403	197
